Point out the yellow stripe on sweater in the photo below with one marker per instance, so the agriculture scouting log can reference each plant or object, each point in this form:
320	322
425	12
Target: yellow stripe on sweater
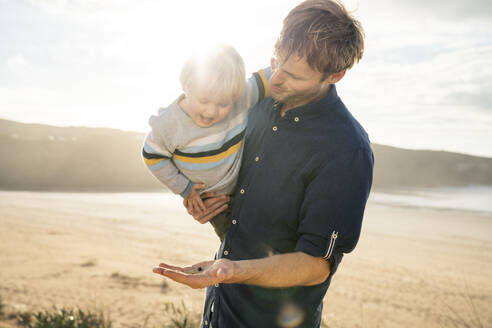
153	161
264	80
210	159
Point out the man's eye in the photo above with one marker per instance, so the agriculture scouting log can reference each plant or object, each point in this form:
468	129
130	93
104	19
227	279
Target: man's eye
224	105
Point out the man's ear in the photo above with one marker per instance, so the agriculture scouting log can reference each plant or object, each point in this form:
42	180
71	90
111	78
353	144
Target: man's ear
273	64
335	77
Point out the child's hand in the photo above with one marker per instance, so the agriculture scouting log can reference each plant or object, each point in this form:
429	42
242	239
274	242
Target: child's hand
193	202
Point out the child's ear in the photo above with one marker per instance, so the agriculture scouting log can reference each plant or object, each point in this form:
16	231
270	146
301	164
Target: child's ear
186	91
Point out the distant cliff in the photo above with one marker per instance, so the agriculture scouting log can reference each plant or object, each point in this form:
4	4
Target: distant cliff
396	167
43	157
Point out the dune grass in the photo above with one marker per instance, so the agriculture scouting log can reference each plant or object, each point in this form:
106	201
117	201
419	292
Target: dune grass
181	316
173	316
2	307
63	318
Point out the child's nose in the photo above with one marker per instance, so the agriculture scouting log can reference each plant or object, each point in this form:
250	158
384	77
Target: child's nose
212	110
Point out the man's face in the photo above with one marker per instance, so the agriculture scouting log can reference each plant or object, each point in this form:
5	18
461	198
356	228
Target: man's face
295	83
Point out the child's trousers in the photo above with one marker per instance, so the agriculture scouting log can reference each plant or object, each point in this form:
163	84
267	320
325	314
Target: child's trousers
221	221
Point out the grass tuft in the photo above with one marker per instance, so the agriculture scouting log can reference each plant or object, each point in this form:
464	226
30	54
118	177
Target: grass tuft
89	263
2	307
164	287
64	318
126	281
134	282
181	316
23	318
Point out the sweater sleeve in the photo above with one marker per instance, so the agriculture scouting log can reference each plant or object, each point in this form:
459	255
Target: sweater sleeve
157	154
258	87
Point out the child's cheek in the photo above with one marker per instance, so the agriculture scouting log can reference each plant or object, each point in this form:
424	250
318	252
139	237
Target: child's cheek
226	111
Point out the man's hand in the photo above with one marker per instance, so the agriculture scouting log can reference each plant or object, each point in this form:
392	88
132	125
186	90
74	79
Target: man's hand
213	206
199	275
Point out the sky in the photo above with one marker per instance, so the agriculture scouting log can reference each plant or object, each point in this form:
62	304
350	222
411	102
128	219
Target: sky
424	82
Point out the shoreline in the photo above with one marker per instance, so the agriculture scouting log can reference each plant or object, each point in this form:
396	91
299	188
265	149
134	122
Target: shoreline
436	209
418	192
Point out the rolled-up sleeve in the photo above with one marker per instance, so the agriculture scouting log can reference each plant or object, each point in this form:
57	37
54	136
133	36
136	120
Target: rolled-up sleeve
333	207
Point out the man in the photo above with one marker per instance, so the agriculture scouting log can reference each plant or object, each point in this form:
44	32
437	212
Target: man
304	182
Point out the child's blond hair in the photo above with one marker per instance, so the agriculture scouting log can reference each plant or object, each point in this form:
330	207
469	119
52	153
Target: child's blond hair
219	72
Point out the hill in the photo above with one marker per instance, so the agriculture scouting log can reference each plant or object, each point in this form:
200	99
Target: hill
43	157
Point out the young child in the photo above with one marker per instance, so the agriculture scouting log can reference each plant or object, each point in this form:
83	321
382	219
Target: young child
196	143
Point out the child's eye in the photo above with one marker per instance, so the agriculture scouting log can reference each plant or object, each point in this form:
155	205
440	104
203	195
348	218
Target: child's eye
203	101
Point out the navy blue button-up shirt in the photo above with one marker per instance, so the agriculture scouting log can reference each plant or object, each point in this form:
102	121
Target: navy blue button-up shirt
303	186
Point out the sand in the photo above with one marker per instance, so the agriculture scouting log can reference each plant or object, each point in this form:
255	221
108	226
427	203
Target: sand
412	267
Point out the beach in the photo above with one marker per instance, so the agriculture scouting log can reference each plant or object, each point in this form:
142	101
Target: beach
413	266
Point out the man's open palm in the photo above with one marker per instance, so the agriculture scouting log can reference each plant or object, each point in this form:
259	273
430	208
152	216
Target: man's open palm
199	275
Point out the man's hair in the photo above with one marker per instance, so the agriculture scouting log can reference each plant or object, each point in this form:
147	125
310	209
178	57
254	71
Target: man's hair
324	33
219	72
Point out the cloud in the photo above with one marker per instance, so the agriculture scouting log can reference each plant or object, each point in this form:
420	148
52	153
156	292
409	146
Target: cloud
74	7
464	75
17	62
482	98
448	10
442	102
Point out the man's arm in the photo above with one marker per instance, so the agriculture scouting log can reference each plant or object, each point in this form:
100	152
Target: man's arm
282	270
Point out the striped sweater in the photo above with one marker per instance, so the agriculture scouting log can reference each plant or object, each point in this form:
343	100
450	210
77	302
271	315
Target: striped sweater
180	153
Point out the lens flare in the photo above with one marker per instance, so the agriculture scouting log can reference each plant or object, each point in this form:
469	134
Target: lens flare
290	316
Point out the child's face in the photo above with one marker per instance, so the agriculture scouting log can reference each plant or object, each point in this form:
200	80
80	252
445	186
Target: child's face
204	110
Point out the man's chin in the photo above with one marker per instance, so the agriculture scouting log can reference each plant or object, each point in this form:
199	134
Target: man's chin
276	96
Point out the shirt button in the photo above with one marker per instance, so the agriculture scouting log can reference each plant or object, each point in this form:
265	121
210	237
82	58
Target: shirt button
296	119
226	252
257	159
241	191
216	285
274	128
234	221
